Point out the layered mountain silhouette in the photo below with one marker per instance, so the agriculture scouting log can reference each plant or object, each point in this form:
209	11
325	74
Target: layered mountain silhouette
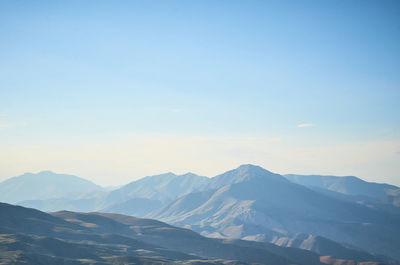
44	185
139	197
376	195
321	214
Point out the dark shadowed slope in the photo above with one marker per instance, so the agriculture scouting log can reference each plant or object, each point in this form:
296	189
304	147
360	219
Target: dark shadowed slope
29	236
35	237
178	239
43	185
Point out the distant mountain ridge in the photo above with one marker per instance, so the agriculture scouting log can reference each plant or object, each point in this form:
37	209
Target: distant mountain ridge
76	194
352	189
44	185
43	188
164	187
252	203
350	185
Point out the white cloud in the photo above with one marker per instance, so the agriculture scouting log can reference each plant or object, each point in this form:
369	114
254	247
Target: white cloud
304	125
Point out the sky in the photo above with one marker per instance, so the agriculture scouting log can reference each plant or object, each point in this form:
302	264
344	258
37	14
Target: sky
116	90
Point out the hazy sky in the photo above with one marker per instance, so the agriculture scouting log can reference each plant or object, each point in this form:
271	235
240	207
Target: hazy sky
116	90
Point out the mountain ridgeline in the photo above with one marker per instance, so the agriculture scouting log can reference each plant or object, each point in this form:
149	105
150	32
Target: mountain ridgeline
44	185
336	219
373	195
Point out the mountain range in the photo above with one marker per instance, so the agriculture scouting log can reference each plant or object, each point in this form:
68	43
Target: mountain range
28	236
339	218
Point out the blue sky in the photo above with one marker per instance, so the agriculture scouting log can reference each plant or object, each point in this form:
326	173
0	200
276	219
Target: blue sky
200	86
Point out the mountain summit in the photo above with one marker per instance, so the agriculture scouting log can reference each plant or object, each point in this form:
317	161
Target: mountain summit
253	203
43	185
243	173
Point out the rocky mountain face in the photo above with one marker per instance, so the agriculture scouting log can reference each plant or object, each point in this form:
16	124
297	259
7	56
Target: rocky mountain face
256	204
